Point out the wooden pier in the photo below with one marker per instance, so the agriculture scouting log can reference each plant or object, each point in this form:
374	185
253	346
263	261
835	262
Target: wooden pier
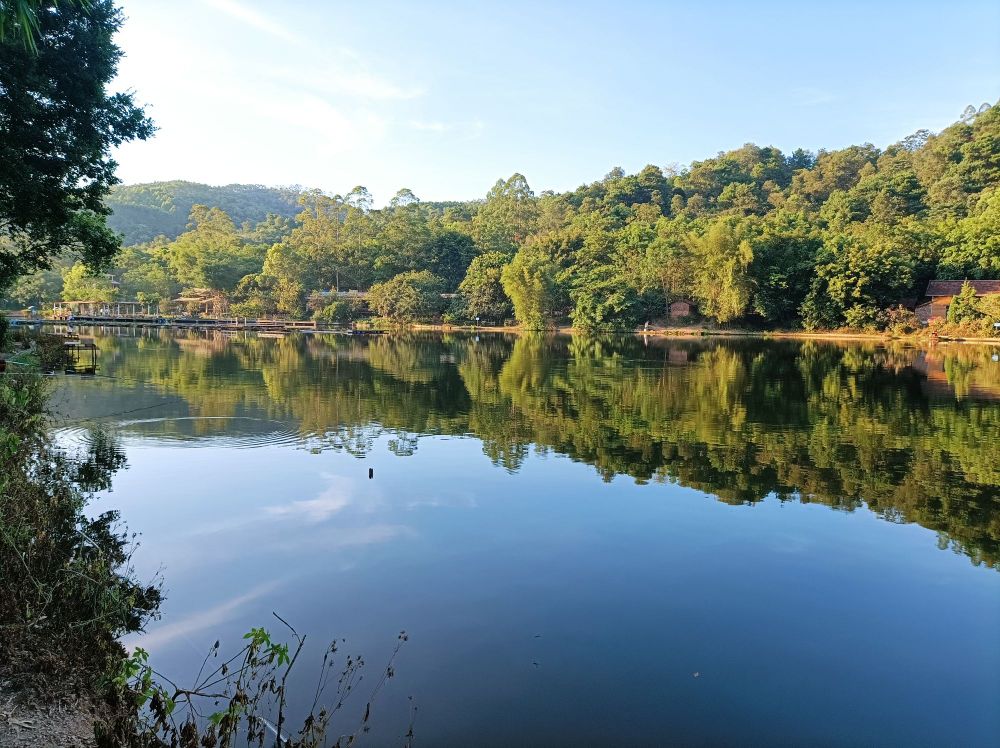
266	326
207	323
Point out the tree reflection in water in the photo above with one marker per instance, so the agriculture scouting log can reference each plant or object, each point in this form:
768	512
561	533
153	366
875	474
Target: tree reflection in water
913	435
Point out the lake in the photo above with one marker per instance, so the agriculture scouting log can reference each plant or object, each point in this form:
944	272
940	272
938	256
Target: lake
589	541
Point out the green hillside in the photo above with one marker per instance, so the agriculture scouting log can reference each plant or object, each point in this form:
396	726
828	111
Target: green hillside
145	211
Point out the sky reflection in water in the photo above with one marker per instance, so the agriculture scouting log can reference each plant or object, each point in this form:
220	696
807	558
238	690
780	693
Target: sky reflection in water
571	529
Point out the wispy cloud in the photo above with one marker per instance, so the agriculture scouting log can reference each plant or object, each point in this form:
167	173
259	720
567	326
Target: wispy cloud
334	130
205	619
312	510
341	74
340	493
332	69
370	86
253	18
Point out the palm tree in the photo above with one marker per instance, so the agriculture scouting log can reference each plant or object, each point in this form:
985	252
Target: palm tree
20	17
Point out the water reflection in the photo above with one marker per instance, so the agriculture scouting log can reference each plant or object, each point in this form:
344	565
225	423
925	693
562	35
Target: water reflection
913	435
570	528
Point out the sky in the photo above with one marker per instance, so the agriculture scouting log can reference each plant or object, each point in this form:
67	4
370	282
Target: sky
444	98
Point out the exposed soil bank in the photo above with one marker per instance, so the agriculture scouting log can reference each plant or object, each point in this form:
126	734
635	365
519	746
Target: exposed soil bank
30	720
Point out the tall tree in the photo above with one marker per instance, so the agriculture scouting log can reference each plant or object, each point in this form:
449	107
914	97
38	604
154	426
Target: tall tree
507	217
58	124
973	249
408	296
212	254
722	282
485	299
79	284
532	282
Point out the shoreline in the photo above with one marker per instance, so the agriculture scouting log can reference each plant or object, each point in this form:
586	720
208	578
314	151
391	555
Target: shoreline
699	332
921	338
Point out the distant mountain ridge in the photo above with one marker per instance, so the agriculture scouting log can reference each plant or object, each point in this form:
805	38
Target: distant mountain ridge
144	211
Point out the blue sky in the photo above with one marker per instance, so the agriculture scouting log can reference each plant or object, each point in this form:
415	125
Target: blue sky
444	98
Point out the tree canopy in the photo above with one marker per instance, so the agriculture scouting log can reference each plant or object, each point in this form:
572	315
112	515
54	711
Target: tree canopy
749	237
58	124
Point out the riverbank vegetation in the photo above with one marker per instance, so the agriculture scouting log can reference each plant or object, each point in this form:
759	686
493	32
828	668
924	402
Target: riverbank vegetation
69	592
753	237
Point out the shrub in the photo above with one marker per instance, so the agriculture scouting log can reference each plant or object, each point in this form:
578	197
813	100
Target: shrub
899	320
482	291
457	312
51	351
989	307
963	306
408	297
67	591
340	312
253	309
861	317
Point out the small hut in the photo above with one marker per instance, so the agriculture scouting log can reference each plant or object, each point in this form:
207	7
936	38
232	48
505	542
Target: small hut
205	302
942	292
681	309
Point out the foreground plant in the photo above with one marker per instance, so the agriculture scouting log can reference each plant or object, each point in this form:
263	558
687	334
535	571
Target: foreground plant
244	697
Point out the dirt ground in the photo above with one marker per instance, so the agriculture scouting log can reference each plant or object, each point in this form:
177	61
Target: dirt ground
27	722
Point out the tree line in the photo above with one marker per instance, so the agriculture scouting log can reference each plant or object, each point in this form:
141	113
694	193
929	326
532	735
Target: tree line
752	237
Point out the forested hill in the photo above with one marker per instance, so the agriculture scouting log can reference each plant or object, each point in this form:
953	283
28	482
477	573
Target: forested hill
753	236
144	211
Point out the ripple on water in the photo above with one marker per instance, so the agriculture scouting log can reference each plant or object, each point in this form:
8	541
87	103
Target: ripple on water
232	432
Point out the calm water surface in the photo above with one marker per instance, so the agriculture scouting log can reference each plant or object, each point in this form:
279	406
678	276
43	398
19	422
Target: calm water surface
590	542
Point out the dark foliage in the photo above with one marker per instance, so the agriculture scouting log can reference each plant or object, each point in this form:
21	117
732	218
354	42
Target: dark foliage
58	124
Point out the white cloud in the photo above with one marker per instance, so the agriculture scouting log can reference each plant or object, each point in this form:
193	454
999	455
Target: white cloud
367	85
335	73
313	510
253	18
337	130
339	495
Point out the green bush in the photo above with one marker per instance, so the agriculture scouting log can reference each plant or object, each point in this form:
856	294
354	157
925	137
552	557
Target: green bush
963	307
861	317
899	320
457	312
66	590
408	297
51	351
340	312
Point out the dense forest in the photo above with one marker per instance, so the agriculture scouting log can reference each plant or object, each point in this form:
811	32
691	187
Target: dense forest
143	212
753	237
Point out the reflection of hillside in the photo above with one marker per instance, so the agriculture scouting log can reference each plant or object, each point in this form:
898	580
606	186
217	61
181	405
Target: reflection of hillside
840	425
